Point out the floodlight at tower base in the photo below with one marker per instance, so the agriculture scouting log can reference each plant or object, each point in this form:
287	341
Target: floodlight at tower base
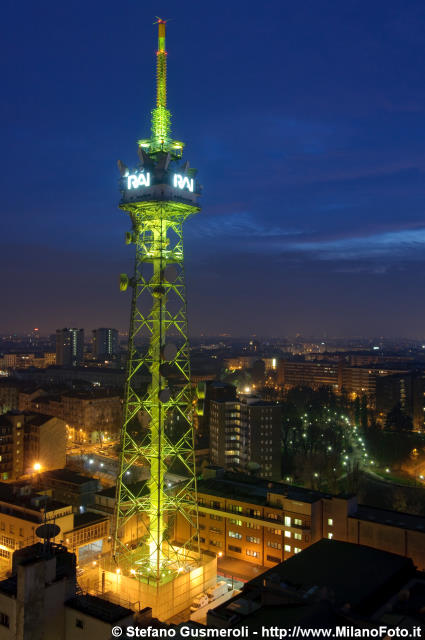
166	599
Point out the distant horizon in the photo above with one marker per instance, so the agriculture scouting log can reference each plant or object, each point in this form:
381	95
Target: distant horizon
241	337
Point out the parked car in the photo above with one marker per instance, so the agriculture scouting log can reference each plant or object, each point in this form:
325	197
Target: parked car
199	602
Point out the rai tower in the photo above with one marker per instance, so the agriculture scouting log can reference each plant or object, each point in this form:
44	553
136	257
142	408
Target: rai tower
156	479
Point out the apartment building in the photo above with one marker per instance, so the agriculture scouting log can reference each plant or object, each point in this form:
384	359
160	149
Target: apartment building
22	510
246	434
29	442
265	523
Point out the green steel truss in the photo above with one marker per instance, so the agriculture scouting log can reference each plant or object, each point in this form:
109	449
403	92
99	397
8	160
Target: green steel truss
157	432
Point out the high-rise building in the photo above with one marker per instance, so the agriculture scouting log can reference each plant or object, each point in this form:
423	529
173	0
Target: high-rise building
69	347
246	434
105	343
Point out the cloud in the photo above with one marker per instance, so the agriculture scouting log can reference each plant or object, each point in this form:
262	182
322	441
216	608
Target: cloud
403	244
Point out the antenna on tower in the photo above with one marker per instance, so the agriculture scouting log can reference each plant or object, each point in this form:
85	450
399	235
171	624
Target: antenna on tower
160	139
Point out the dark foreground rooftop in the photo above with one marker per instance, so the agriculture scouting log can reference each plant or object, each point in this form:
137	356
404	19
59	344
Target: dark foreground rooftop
98	608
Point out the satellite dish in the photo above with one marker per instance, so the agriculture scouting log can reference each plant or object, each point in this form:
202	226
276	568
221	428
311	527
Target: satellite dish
169	351
170	273
47	531
164	395
122	168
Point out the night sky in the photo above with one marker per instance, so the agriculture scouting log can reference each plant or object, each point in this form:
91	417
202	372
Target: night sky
305	119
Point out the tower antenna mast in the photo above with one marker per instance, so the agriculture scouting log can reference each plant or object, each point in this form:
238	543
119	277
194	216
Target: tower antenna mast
157	432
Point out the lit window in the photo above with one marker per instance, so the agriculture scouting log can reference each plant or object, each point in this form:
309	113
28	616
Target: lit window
288	548
298	536
287	521
330	536
287	534
330	522
297	549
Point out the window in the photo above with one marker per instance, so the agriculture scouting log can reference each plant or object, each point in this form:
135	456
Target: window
287	521
298	522
235	534
273	516
298	536
330	536
12	528
273	559
287	534
214	504
274	545
232	547
330	522
297	549
79	623
238	523
214	517
21	532
202	540
276	532
256	513
253	554
215	543
251	525
253	539
288	548
215	530
4	620
235	508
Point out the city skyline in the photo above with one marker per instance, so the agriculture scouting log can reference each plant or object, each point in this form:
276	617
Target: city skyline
306	121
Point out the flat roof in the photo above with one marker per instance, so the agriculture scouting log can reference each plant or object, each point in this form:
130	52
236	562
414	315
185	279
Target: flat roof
239	486
66	475
88	518
353	572
98	608
390	518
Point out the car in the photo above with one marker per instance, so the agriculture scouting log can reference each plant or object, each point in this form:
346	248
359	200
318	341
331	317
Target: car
199	602
218	590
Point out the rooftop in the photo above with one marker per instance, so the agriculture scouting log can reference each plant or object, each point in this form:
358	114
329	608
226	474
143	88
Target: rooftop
391	518
98	608
354	573
252	489
66	475
86	519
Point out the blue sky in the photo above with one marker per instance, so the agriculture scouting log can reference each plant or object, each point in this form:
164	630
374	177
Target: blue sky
305	120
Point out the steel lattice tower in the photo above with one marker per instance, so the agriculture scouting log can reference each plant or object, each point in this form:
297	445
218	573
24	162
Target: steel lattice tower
157	430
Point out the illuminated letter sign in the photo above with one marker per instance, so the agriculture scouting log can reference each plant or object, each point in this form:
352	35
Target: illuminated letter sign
141	180
183	182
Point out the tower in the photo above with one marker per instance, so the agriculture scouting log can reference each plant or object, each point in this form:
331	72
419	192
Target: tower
157	434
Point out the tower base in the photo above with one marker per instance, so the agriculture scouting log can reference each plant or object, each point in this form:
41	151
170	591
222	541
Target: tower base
166	599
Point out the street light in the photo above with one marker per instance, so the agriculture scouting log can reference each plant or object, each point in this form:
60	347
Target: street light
37	467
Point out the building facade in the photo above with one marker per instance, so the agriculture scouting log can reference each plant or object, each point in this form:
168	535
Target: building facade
265	523
105	344
69	347
30	442
246	434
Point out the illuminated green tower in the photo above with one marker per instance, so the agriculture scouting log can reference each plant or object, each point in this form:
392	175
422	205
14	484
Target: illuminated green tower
157	434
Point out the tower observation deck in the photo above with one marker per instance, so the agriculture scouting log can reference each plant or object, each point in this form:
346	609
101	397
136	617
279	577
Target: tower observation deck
159	194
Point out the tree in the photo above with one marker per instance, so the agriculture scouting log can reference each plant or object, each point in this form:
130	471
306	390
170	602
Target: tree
364	415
